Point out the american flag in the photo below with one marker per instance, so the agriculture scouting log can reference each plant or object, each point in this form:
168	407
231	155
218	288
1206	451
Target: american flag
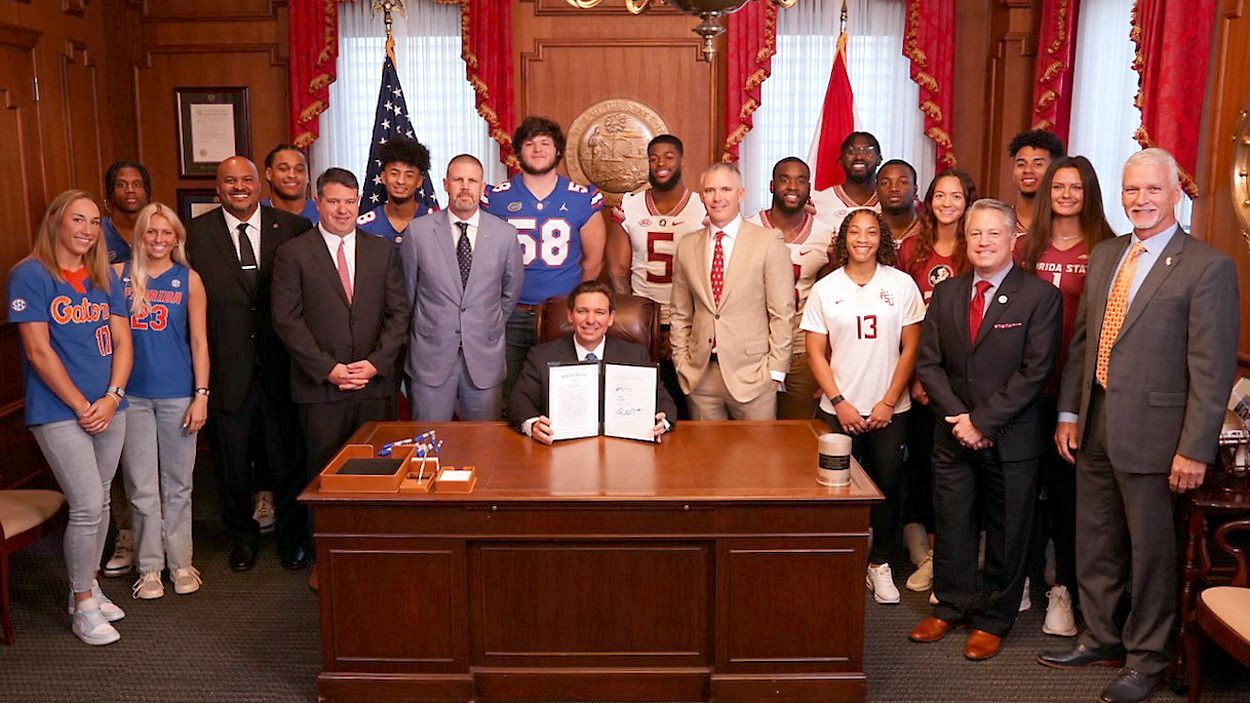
391	120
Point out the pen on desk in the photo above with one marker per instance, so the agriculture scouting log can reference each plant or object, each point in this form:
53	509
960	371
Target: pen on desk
386	448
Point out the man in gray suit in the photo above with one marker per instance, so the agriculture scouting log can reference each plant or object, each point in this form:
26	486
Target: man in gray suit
462	269
1149	371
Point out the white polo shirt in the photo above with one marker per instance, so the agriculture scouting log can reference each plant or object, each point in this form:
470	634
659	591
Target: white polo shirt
864	325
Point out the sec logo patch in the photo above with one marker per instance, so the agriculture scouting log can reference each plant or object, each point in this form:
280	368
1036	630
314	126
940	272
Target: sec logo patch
18	305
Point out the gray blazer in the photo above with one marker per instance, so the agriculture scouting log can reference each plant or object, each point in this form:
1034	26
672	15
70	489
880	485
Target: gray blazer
448	316
1173	363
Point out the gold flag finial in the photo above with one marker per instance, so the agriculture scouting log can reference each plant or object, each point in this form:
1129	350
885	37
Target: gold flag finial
842	20
386	7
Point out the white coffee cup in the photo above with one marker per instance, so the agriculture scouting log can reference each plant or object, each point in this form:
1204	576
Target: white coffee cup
833	466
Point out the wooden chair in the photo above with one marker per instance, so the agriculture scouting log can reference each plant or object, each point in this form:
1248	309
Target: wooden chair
637	320
25	517
1222	614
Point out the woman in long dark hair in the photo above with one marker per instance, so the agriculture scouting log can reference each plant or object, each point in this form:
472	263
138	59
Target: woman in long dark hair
1067	224
935	253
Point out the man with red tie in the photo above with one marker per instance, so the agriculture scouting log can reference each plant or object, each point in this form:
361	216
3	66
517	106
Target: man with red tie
987	347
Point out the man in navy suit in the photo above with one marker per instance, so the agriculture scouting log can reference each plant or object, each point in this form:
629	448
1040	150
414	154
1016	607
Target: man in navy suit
591	312
989	340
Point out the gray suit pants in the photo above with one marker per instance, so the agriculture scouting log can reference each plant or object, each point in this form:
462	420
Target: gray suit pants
456	395
1124	537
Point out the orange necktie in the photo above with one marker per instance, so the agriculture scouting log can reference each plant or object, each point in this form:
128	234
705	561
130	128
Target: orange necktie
1117	307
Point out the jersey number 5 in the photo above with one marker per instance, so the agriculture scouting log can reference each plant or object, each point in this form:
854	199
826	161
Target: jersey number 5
654	256
551	244
866	327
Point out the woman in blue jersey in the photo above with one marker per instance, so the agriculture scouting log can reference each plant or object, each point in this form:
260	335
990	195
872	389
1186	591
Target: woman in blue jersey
168	398
71	315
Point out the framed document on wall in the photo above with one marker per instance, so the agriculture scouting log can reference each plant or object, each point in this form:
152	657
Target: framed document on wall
213	125
193	202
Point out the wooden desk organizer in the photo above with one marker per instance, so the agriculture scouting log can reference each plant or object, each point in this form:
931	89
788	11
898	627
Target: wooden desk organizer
410	483
446	484
333	481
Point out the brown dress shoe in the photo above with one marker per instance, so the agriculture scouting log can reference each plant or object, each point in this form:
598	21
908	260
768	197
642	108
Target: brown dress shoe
982	645
312	578
930	629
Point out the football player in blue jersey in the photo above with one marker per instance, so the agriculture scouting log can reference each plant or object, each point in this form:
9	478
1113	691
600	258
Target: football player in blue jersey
558	225
127	190
286	169
403	163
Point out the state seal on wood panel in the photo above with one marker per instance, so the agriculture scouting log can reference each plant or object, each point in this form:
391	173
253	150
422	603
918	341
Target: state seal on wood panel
608	146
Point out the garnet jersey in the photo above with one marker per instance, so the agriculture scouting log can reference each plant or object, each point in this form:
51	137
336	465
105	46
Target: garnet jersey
833	205
653	241
549	231
1065	269
809	253
928	273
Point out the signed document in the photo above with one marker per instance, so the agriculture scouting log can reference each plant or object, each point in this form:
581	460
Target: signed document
629	401
573	403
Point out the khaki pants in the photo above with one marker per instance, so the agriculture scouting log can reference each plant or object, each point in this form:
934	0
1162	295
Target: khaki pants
710	400
799	401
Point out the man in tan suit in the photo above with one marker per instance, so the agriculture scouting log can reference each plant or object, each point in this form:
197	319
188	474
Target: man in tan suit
732	307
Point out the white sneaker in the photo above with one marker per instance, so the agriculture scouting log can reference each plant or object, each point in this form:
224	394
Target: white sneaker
922	579
1059	619
933	598
1025	603
149	586
881	582
186	580
263	513
123	555
112	613
91	626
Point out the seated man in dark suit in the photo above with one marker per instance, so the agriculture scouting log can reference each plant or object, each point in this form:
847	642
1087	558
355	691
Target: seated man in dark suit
591	311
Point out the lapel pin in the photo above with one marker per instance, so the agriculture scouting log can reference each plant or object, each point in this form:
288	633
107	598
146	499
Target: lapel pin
1167	261
1002	299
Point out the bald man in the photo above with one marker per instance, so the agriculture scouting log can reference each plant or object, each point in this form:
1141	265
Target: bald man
250	415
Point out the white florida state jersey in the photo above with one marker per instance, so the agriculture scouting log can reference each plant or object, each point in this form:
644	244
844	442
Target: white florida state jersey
809	252
653	241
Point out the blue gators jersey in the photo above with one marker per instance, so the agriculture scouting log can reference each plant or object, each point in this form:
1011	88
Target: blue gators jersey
549	231
376	222
118	248
78	330
309	212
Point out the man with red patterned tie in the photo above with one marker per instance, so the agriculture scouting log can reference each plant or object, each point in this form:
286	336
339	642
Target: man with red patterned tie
989	340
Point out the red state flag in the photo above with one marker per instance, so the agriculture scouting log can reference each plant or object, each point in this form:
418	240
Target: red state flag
837	120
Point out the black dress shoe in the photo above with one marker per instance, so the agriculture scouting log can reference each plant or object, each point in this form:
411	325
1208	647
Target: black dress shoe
295	559
242	556
1082	656
1131	686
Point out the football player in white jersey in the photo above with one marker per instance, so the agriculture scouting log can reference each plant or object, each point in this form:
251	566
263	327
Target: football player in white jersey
643	236
810	242
860	157
896	190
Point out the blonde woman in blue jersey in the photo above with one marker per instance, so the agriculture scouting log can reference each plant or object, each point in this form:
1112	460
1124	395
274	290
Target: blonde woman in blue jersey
168	398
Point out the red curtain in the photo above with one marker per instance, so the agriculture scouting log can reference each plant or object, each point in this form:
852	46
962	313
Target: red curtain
486	36
1173	39
751	42
929	43
1056	55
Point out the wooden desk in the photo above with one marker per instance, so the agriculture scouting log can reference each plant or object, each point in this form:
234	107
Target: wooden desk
712	566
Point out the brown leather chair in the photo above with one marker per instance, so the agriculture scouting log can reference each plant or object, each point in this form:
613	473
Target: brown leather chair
637	320
1222	614
25	517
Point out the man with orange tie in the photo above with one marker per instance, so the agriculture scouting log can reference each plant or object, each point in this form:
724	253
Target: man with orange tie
732	308
1149	371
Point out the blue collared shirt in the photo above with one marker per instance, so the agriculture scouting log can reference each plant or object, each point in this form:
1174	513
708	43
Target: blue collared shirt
995	280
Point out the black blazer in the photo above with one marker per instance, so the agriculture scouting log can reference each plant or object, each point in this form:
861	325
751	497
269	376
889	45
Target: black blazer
997	379
241	340
529	395
320	328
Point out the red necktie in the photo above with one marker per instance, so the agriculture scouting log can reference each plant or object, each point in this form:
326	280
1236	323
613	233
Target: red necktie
718	269
976	310
344	276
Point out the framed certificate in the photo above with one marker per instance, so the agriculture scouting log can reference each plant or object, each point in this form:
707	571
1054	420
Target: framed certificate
213	125
629	400
193	202
573	399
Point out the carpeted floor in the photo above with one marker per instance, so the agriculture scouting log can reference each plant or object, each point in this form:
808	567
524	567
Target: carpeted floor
253	637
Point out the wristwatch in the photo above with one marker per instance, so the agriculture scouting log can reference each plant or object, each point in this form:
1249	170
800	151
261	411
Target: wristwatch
202	391
836	399
117	391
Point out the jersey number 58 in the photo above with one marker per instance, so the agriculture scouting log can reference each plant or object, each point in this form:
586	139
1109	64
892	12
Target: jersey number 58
551	243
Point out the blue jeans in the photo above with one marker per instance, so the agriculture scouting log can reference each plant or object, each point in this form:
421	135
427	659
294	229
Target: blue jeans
83	465
157	462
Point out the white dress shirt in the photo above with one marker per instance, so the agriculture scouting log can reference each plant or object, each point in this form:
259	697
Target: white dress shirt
349	251
727	242
253	231
473	221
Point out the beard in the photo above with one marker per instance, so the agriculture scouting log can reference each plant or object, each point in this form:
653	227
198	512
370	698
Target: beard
527	168
779	204
673	182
